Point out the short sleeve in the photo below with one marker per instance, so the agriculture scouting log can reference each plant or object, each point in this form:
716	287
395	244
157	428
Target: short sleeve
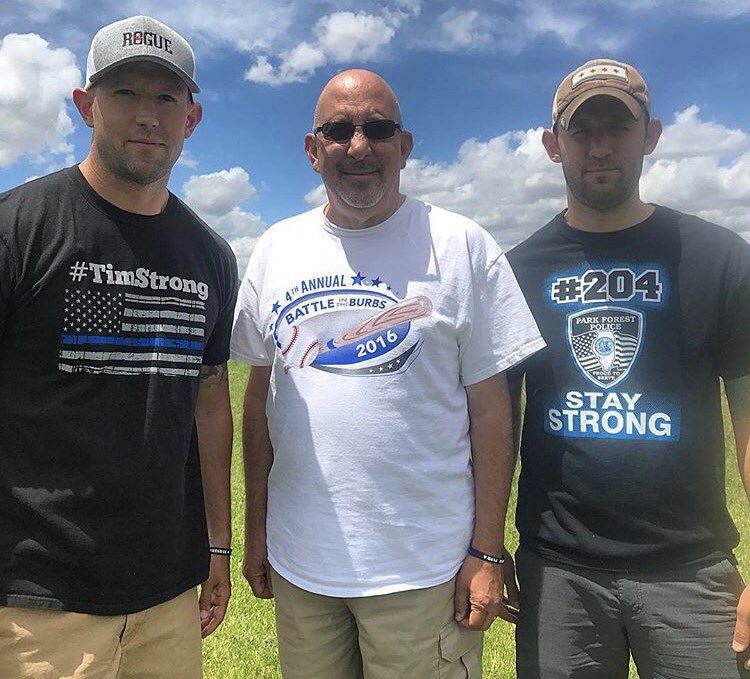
217	346
247	344
503	331
734	323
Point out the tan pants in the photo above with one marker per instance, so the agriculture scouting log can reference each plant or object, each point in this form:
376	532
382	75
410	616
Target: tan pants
407	635
162	642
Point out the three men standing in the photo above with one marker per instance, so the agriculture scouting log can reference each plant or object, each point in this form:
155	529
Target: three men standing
377	420
626	542
378	446
115	311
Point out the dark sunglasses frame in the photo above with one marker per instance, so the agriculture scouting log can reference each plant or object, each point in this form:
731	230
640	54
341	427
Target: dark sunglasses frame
372	129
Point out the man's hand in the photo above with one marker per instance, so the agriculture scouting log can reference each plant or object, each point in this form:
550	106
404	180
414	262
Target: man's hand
479	587
257	570
215	593
741	640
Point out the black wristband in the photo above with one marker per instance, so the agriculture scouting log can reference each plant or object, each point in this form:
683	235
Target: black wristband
220	551
486	557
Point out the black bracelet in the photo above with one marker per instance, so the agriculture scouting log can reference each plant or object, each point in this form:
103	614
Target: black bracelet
220	551
486	557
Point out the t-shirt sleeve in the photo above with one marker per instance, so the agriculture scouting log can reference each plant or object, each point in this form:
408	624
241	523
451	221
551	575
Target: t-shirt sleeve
247	337
217	346
502	330
734	323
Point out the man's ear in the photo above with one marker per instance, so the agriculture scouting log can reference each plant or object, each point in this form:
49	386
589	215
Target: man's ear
551	145
653	133
84	102
407	144
311	150
194	116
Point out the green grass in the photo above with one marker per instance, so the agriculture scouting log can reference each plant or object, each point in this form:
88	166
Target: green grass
244	647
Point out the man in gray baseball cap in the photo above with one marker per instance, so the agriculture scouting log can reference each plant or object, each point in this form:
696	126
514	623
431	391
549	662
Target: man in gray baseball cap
139	39
115	312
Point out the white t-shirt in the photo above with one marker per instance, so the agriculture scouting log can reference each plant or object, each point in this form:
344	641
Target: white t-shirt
371	489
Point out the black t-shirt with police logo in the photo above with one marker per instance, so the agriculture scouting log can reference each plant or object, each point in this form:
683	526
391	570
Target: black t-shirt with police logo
105	320
623	443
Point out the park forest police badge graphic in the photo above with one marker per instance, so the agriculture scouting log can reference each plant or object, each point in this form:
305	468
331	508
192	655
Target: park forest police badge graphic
605	342
347	324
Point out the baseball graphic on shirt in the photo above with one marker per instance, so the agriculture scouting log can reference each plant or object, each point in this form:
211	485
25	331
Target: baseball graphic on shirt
348	325
299	347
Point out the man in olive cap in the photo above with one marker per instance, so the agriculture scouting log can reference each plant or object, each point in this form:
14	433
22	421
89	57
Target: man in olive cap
626	542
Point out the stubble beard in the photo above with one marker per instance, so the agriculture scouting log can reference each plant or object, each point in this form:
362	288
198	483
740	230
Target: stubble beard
600	196
361	196
130	170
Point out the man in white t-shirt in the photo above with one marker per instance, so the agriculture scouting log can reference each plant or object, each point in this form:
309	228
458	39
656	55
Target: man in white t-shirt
378	448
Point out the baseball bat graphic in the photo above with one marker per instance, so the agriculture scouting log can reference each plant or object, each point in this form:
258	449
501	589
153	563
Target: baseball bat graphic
410	309
301	347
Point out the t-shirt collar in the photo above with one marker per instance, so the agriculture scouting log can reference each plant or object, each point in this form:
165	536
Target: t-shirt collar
341	232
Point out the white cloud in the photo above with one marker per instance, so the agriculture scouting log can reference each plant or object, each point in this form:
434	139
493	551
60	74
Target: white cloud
689	136
243	248
217	197
510	29
465	28
297	65
316	196
340	37
217	193
37	81
727	9
703	185
723	9
345	35
242	24
508	184
187	159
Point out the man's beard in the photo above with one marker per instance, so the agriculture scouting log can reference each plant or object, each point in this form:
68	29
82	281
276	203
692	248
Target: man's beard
361	197
604	196
129	169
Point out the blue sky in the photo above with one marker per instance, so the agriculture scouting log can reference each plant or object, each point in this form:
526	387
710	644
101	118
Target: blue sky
475	82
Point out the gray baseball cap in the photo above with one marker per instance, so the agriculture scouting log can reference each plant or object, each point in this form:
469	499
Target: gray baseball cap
140	38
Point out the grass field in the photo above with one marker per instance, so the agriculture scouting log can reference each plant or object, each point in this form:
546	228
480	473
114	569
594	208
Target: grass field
244	647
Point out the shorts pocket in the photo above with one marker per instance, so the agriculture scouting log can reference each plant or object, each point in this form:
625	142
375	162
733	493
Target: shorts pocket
460	653
722	577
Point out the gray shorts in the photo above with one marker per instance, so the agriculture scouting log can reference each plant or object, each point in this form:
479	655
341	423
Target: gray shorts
579	623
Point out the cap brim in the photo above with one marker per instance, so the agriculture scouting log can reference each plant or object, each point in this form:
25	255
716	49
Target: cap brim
191	84
634	106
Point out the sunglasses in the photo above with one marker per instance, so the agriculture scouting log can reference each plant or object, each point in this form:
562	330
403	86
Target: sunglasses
343	130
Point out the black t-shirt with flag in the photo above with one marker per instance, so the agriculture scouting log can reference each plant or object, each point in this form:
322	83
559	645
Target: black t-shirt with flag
105	320
623	444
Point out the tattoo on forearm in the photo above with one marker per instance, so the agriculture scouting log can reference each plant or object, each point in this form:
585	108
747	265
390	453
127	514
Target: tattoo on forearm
213	374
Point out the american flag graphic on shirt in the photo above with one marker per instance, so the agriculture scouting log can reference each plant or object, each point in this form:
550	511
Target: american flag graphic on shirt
121	333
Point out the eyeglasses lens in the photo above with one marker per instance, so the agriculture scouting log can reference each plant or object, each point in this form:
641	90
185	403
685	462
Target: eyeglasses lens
343	130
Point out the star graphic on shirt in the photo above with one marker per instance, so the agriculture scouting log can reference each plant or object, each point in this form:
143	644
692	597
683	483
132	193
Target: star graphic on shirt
357	280
376	282
276	307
